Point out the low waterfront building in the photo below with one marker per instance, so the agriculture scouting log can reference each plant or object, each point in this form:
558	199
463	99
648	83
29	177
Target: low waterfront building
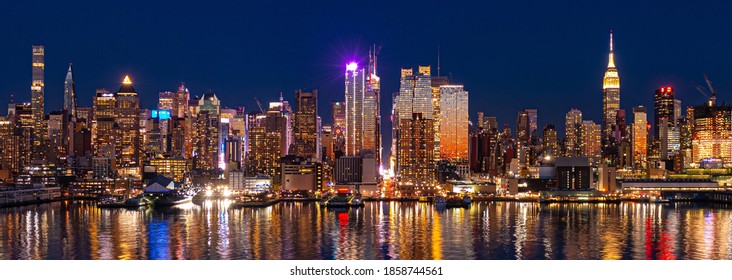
573	173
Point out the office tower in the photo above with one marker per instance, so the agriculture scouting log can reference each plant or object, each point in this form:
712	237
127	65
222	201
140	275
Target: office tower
127	121
572	131
436	82
58	129
167	103
549	142
327	143
640	136
663	108
712	133
481	120
453	123
611	93
355	87
339	128
103	122
37	102
70	93
490	123
8	145
21	115
180	102
372	109
677	112
417	167
590	141
620	126
266	140
526	125
305	125
206	136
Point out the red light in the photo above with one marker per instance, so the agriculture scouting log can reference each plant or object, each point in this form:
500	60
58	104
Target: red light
663	90
344	190
669	89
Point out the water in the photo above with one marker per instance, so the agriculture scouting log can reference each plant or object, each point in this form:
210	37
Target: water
380	230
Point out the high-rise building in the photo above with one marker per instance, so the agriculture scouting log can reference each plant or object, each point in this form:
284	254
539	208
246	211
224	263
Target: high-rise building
590	141
70	93
103	122
453	123
678	114
339	128
355	87
640	136
611	93
372	110
415	96
526	125
58	136
663	108
416	165
9	152
37	102
572	131
127	122
305	125
207	137
549	143
21	115
712	132
481	120
490	123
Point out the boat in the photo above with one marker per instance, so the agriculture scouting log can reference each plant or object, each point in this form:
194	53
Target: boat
345	198
426	198
117	202
262	200
467	199
172	198
440	201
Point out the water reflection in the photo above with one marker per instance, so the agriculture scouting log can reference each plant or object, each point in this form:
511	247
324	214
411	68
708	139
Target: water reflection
380	230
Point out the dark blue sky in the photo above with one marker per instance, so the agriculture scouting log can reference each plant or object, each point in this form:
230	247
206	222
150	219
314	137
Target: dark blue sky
510	55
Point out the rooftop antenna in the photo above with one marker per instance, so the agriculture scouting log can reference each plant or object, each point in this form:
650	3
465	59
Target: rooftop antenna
281	99
438	60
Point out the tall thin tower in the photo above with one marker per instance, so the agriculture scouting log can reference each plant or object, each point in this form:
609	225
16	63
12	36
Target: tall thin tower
37	86
611	94
70	93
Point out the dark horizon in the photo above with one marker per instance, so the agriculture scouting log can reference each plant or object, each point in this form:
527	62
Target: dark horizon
509	56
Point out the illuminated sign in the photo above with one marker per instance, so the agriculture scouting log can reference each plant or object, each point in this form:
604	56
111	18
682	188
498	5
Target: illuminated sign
160	114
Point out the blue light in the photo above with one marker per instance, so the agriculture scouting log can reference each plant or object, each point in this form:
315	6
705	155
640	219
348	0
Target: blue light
160	114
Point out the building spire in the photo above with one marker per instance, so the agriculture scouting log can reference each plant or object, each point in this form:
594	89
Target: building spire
438	60
611	60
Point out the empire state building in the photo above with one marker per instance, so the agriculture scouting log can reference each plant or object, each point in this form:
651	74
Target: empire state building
610	94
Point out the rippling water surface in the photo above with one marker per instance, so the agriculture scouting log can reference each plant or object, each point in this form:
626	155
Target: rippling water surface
380	230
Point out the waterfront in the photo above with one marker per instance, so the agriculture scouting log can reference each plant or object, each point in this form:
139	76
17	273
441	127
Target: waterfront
379	230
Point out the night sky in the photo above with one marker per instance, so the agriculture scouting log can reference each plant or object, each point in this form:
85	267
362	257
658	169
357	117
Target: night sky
510	55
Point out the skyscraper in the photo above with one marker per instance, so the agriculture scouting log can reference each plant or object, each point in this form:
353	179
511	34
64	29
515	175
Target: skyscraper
526	125
611	93
372	110
37	101
572	133
417	167
70	93
590	141
339	128
103	123
453	123
549	141
127	121
663	108
305	125
712	132
355	87
640	136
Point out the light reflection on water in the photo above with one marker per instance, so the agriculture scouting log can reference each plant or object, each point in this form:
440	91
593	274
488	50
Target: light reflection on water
380	230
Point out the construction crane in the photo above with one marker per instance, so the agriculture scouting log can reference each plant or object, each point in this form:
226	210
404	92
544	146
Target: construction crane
259	104
703	91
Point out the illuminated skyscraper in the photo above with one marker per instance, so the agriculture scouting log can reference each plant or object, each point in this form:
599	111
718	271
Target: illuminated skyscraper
207	140
712	132
355	87
37	102
372	110
611	93
70	93
453	123
305	125
103	122
526	125
590	141
572	133
549	141
640	136
127	119
416	165
339	128
663	108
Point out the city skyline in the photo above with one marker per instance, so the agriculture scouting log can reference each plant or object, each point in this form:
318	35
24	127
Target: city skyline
588	49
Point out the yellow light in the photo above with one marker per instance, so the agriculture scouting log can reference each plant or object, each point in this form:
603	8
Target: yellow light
227	192
209	192
127	80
